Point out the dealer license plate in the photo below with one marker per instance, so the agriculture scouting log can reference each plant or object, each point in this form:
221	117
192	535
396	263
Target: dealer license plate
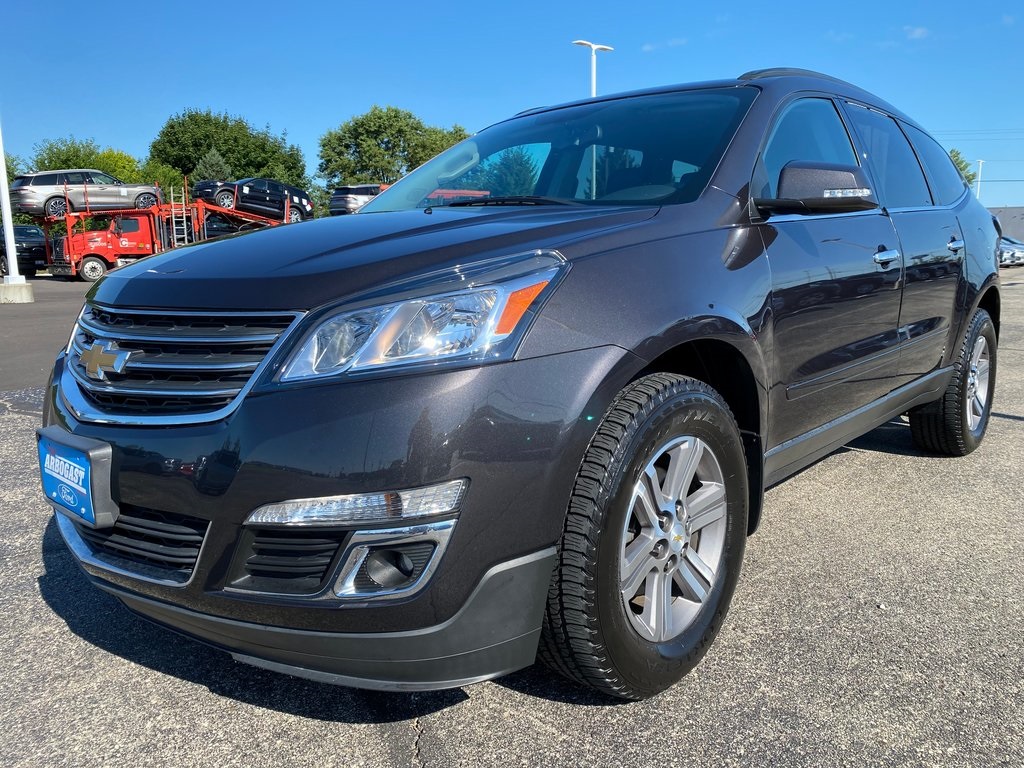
67	478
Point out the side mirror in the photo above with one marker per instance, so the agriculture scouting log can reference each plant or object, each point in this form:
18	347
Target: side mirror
820	188
117	227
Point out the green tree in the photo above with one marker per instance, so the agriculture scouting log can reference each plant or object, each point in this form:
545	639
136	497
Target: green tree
54	154
963	165
118	164
155	172
187	137
513	173
212	165
15	165
381	146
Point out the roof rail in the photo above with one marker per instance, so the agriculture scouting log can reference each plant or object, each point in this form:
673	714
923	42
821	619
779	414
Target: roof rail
757	74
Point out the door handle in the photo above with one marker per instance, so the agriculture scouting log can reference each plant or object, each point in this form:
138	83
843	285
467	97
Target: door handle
955	245
886	256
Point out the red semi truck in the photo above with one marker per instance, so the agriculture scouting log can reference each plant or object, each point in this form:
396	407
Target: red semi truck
88	252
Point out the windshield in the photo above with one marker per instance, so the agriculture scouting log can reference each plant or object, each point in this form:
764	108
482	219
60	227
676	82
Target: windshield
641	150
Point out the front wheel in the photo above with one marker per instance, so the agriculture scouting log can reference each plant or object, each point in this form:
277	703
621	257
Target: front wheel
955	424
225	199
145	200
653	541
92	269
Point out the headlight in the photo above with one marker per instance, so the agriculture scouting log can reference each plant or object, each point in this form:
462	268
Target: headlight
479	321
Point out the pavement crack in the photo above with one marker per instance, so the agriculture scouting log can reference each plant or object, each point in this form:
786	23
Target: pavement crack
417	757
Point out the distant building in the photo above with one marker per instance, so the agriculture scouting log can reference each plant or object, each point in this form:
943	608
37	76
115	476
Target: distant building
1011	220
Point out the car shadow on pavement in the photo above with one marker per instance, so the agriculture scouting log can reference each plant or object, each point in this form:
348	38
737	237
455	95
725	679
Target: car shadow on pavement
543	683
892	437
99	619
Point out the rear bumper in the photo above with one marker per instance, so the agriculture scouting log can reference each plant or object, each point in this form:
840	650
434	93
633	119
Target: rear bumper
495	632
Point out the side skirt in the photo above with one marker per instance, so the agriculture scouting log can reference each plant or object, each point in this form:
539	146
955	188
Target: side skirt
793	455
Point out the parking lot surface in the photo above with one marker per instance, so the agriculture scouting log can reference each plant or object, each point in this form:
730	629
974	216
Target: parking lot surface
878	621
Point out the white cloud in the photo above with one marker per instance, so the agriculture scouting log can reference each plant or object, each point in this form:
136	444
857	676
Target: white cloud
673	43
916	33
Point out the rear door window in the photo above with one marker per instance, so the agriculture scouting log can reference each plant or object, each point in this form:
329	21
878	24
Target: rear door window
893	163
76	177
946	182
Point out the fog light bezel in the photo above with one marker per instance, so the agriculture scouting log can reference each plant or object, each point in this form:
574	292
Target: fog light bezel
362	543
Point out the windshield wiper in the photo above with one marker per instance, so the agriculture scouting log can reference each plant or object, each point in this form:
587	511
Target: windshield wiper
513	200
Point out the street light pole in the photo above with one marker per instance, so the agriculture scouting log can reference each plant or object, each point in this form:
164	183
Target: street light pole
977	187
13	289
594	48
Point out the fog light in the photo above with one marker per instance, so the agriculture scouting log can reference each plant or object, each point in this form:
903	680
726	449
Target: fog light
389	568
363	507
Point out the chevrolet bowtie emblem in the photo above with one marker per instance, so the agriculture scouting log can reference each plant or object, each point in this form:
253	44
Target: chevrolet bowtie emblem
104	357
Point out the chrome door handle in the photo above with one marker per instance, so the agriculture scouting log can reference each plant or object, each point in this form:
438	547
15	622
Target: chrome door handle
955	245
884	257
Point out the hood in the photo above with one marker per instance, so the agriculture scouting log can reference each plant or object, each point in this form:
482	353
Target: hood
302	266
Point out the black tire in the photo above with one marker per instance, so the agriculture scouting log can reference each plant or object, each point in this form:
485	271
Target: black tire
944	426
589	635
145	200
56	207
91	269
28	272
225	199
294	215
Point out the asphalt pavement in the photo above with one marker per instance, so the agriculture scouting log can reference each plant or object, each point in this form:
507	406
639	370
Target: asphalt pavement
878	621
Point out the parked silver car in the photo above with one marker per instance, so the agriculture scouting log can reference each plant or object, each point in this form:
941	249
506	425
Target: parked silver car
1011	252
43	193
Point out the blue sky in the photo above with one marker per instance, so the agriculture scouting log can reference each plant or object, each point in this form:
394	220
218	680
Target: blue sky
115	73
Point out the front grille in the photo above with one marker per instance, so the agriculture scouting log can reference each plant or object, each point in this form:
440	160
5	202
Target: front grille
176	362
286	562
58	252
154	544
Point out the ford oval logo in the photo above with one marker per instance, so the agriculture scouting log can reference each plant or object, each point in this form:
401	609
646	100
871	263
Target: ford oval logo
68	496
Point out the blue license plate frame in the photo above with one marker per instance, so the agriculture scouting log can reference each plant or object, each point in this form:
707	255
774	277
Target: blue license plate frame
75	474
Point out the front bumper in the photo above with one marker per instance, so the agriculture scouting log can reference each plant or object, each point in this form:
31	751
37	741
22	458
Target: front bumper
516	430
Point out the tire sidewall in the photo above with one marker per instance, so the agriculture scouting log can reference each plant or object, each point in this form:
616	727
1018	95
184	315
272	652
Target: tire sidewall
643	664
981	326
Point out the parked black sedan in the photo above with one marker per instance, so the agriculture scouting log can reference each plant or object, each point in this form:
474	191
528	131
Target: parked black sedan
30	245
266	197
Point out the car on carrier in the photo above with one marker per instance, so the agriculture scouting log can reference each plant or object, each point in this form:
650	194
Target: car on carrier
266	197
54	193
422	446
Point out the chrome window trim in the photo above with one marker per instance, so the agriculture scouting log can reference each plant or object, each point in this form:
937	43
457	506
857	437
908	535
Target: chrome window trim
84	410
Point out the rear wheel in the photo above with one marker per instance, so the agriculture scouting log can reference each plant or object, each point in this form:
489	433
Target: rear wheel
955	424
29	272
92	269
653	541
56	206
294	215
145	200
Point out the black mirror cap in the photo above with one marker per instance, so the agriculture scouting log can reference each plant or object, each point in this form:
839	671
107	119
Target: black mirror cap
820	188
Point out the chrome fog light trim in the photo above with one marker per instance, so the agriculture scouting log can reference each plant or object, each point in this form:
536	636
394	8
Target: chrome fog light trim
363	543
383	506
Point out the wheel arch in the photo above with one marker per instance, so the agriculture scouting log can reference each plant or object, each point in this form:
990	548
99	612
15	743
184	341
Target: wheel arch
725	368
990	302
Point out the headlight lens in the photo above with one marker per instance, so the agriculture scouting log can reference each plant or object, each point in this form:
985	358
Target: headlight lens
458	325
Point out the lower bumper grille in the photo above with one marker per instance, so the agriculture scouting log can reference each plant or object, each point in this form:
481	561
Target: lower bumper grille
159	545
286	562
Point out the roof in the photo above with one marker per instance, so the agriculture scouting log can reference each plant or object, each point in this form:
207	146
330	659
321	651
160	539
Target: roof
776	80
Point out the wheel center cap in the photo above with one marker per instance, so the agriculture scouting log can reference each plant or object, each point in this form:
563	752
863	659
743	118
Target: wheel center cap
678	537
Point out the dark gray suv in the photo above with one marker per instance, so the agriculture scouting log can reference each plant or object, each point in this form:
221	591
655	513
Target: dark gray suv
527	401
